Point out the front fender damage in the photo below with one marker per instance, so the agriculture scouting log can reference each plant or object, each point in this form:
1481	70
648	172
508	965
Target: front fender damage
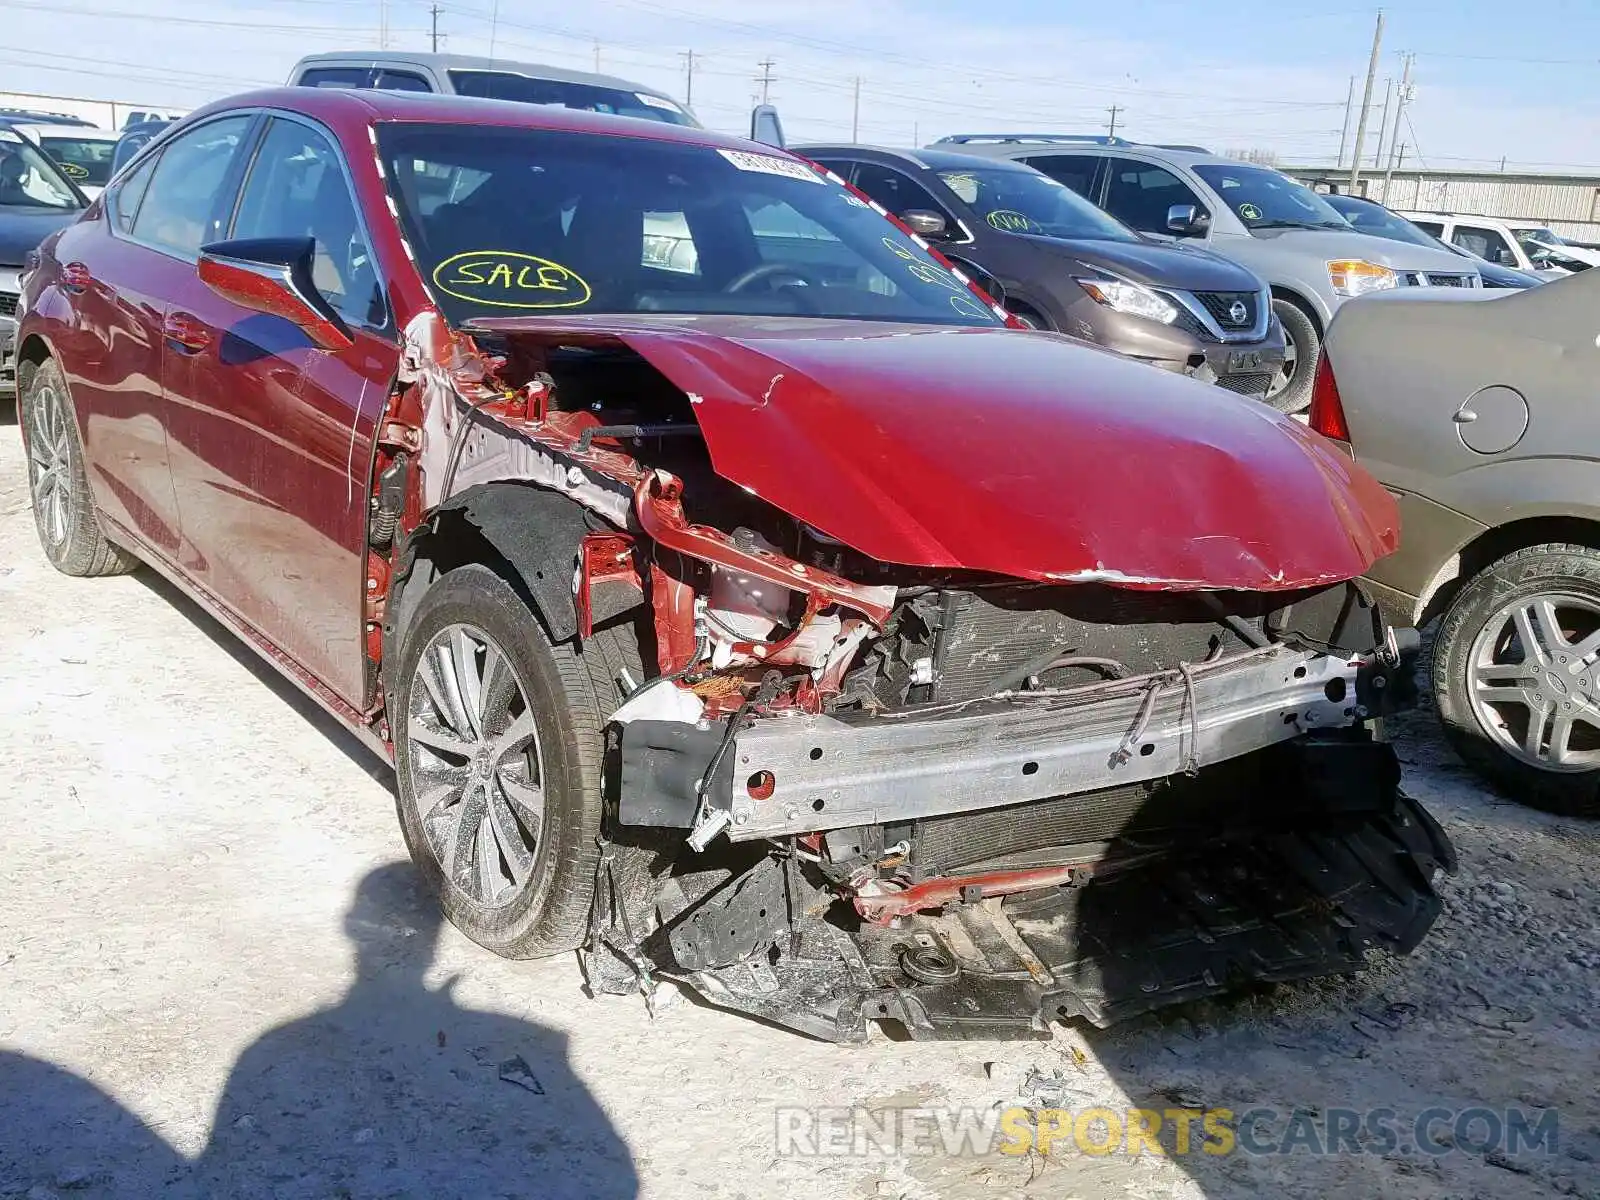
947	736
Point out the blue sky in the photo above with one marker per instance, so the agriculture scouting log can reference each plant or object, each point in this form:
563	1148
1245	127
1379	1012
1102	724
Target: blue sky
1489	83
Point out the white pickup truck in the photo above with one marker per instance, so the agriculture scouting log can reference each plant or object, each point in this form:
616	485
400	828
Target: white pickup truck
1526	246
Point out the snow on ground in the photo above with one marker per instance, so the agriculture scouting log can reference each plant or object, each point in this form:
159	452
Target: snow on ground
217	977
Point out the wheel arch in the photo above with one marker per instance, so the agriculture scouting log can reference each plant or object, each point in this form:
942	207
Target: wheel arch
527	534
1304	303
1476	555
32	351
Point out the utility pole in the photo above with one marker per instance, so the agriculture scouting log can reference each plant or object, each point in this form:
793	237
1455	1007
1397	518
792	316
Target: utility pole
494	25
855	113
1383	124
688	76
1401	101
435	11
765	78
597	56
1113	110
383	24
916	139
1366	104
1344	130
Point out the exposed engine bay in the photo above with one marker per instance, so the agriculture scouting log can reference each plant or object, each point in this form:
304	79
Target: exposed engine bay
969	800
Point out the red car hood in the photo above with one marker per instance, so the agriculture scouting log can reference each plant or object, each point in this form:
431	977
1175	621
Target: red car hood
1022	454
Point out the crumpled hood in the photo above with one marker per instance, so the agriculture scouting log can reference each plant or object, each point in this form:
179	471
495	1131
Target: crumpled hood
1021	454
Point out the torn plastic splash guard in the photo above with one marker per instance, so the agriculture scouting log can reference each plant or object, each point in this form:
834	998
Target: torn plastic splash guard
1275	908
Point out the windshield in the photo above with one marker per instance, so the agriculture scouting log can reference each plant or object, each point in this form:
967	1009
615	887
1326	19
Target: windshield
1530	236
530	220
1264	199
1377	220
85	161
503	85
1015	201
30	180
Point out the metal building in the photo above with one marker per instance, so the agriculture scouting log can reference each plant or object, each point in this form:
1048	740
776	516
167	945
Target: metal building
1567	203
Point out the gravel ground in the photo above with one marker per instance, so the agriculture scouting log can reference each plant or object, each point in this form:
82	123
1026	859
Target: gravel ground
217	977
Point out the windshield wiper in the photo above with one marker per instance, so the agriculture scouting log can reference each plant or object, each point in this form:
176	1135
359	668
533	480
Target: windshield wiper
1285	224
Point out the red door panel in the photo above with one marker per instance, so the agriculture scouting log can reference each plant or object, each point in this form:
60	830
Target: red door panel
270	445
111	352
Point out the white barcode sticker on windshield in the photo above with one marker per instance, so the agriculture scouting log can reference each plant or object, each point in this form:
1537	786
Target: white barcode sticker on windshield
768	165
657	102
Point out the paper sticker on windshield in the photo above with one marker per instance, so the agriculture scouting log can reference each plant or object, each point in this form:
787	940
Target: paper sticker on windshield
506	279
657	102
1008	220
766	164
73	171
1249	212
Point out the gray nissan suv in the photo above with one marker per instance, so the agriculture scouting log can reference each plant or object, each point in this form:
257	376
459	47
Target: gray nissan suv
1066	265
1279	228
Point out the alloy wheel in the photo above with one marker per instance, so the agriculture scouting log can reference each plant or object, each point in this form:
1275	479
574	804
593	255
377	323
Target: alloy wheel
478	774
1533	678
50	465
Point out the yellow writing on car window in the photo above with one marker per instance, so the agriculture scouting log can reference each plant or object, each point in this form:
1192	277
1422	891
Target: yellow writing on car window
1008	220
73	170
506	279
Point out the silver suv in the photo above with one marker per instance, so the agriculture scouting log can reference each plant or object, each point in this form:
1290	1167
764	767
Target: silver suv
1282	230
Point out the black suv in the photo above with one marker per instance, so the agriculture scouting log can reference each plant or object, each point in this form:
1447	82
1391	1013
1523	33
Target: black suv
1066	265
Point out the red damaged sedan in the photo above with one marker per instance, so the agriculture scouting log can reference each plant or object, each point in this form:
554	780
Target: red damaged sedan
741	599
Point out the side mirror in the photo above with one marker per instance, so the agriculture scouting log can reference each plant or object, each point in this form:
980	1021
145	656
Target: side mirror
926	222
1186	220
978	275
273	275
765	126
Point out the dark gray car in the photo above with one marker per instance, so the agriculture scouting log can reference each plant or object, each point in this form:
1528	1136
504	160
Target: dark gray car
36	199
1479	418
1066	265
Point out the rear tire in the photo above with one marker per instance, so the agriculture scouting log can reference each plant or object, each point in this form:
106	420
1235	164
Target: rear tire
1493	709
64	511
1290	392
565	693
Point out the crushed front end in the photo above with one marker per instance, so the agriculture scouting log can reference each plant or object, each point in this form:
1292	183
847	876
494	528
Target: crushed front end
954	713
1027	803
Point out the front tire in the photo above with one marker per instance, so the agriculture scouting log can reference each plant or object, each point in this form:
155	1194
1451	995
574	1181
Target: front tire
498	737
1516	676
1290	392
64	511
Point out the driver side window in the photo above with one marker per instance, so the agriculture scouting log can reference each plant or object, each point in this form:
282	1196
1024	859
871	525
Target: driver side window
297	188
896	191
1140	193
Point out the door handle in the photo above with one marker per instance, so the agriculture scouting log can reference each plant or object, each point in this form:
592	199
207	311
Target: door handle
186	333
1465	417
75	277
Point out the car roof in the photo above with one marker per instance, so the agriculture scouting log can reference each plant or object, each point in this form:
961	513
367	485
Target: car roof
373	106
937	160
470	62
1012	145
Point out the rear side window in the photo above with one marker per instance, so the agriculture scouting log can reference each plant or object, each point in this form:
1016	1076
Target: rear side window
1140	194
400	81
1433	227
297	188
1077	171
527	89
125	203
336	77
180	211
